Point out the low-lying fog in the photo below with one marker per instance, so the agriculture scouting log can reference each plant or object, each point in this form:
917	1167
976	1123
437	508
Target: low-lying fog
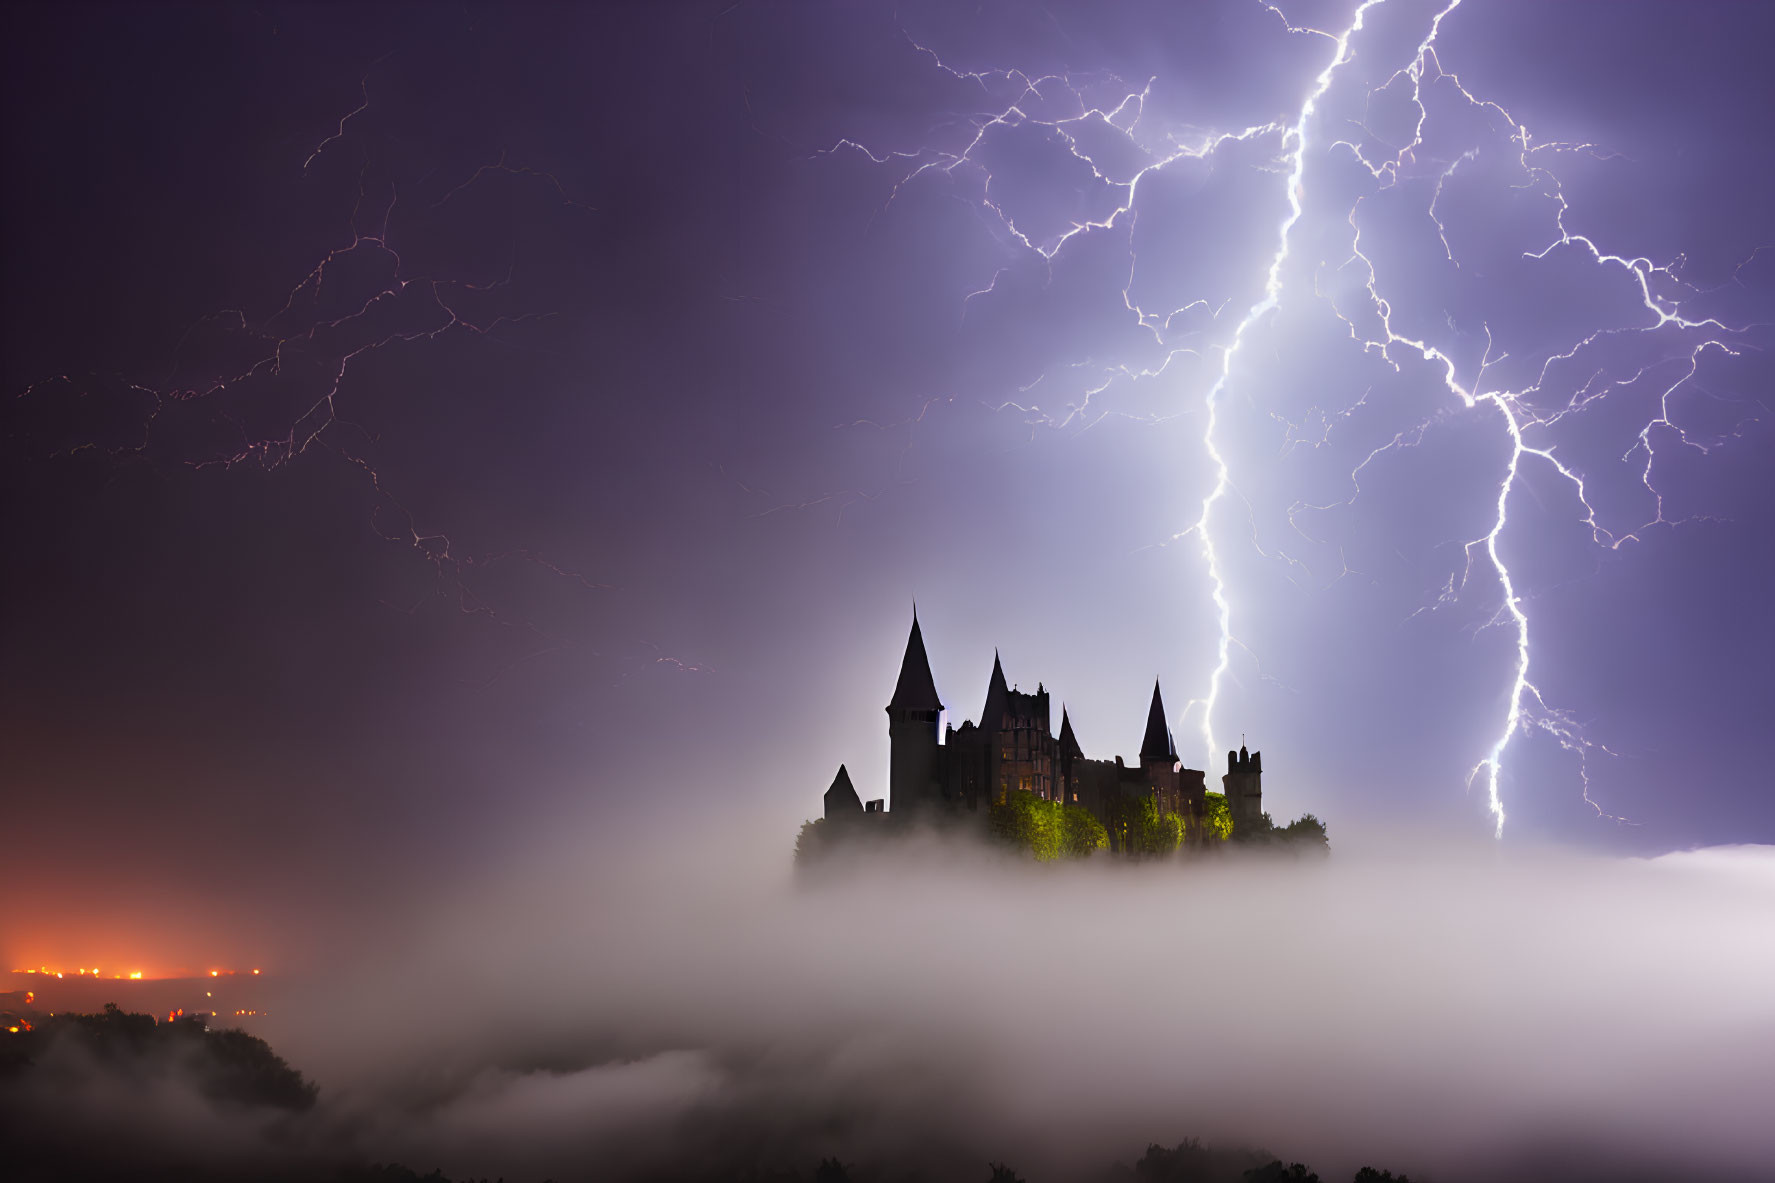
1441	1010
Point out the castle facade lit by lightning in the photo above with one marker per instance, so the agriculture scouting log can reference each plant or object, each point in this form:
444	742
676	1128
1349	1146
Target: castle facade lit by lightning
1013	749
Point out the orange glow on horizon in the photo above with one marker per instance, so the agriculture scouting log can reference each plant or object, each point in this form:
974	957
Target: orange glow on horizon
136	975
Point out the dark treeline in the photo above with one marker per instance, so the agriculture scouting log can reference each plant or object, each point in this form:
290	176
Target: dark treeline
225	1066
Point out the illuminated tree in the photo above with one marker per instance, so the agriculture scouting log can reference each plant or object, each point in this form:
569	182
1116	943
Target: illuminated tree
1158	833
1081	834
1218	825
1026	821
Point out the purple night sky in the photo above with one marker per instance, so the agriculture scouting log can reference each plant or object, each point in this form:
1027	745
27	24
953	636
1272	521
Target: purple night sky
429	423
468	470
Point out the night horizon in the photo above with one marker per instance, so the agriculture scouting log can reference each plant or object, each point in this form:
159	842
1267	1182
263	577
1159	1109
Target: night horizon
497	453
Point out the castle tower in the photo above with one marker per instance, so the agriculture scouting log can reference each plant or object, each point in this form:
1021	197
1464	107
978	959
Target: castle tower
842	802
1243	783
1020	750
1158	757
1071	762
1156	747
912	730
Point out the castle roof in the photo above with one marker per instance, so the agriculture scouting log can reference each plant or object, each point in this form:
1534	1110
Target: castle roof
916	690
998	696
1157	747
842	796
1069	744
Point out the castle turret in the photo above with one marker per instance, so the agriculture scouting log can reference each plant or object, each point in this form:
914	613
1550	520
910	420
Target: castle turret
912	730
842	801
1174	790
1069	763
1243	783
1156	747
998	696
1069	743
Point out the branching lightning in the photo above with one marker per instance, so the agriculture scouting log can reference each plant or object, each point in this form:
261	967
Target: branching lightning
1524	418
359	299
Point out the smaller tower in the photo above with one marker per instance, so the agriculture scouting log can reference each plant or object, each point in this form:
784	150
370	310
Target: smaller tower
912	730
842	802
1158	757
1243	783
1070	761
1156	747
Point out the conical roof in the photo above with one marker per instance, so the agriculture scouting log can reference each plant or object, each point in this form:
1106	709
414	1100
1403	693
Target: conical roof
997	695
916	690
1156	746
1069	743
842	796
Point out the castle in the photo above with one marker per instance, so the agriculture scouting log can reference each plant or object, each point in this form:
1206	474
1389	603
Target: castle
1012	749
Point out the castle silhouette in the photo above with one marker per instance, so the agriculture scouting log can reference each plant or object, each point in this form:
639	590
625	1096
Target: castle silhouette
1012	749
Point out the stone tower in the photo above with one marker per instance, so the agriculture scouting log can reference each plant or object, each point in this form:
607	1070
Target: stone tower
1244	787
912	731
1158	758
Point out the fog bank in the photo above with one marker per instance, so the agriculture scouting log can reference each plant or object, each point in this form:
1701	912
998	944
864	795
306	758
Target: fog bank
1434	1009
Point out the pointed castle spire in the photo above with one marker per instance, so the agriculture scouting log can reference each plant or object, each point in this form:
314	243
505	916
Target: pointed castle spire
841	798
916	690
1069	744
1156	747
997	695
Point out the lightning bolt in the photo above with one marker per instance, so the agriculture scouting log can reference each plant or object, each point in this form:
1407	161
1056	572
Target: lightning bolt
1527	706
1272	292
1522	415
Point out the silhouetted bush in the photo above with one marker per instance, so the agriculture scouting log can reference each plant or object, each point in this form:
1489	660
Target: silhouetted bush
1275	1172
831	1170
1304	835
226	1066
1191	1162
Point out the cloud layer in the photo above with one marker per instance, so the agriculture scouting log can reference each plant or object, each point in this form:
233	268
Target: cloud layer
1427	1008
